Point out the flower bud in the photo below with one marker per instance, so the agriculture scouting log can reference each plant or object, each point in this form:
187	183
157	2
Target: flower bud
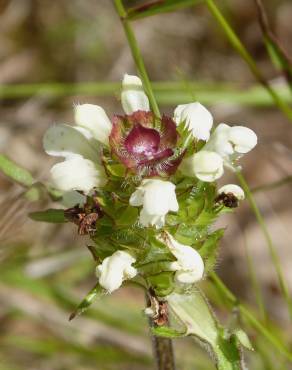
197	118
115	269
157	198
94	119
133	96
205	165
77	173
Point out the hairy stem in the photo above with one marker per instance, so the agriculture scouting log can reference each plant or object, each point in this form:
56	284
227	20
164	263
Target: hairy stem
162	347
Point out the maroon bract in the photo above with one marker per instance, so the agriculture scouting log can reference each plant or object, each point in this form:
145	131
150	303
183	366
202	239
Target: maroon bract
145	144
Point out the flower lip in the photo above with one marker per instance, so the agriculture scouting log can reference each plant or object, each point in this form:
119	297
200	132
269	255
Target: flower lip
142	141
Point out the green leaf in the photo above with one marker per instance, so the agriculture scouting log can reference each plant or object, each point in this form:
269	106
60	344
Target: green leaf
93	294
127	216
195	313
117	170
167	332
162	283
50	215
15	172
209	249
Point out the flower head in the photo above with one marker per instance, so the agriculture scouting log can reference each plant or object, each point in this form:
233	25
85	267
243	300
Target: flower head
205	165
189	265
115	269
145	144
157	198
198	120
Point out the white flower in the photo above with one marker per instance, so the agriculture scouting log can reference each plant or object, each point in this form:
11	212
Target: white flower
157	198
236	190
205	165
115	269
231	142
189	265
81	169
66	141
197	118
133	96
94	119
77	173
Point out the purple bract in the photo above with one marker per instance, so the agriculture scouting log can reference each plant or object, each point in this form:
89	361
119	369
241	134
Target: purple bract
145	144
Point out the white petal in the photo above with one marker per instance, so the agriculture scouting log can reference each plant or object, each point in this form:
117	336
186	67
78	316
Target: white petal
243	138
188	277
219	141
78	174
147	219
133	97
136	198
115	269
198	119
205	165
159	197
236	190
93	118
65	141
189	264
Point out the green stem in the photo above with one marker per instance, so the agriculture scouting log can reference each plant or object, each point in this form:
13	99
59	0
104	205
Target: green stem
272	249
254	282
249	316
137	55
242	51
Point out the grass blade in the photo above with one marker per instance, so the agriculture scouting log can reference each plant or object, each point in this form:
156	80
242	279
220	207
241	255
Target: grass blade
158	7
15	172
242	51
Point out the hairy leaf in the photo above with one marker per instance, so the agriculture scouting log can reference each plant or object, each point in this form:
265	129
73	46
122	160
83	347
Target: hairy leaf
195	313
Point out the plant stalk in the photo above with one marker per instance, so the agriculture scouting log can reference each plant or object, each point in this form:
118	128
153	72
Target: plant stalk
162	347
136	54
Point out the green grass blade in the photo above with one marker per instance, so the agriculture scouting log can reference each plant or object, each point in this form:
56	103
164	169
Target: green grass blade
272	249
250	317
15	172
242	51
278	55
158	7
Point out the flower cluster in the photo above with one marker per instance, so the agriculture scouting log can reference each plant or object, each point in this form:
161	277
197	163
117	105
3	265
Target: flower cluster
145	186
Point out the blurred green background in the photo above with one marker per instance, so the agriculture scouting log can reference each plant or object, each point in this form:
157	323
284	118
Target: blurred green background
46	269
